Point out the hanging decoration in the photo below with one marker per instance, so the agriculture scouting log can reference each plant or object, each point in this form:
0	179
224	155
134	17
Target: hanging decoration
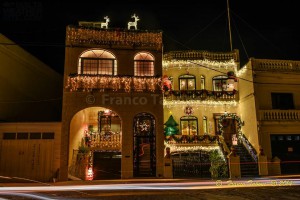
231	116
178	64
188	110
207	103
88	35
185	139
108	83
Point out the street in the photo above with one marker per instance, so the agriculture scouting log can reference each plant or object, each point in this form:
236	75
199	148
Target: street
260	188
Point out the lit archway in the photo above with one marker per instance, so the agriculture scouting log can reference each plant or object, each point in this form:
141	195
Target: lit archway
95	134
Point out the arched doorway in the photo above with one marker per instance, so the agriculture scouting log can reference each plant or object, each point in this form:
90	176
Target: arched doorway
229	126
144	145
95	144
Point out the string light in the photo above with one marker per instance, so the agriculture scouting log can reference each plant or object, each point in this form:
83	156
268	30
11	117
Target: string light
88	83
176	103
167	64
85	35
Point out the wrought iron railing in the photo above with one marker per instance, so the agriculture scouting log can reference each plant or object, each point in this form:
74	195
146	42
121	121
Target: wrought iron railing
249	147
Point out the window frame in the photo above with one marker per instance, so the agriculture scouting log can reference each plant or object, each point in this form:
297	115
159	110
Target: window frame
187	77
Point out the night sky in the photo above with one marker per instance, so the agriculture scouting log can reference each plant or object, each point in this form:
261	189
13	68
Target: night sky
260	29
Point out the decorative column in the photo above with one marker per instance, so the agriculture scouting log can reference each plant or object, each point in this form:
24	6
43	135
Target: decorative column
262	163
168	165
234	164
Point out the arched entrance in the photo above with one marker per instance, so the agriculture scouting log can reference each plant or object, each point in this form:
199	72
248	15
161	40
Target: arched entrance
95	144
229	126
144	145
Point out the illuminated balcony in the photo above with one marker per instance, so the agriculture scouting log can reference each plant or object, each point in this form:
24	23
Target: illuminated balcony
102	83
187	95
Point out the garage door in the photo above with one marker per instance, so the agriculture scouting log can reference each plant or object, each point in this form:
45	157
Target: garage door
287	148
27	155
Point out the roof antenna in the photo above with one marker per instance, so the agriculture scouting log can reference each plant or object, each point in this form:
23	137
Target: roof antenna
229	26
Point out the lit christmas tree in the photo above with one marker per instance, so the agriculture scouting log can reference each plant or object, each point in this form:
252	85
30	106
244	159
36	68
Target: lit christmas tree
171	128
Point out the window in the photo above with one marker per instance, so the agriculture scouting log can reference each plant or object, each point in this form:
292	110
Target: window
189	125
220	83
204	124
143	64
282	101
187	82
202	83
97	62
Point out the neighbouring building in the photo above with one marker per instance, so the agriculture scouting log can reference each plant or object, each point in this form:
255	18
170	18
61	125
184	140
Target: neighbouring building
275	89
30	114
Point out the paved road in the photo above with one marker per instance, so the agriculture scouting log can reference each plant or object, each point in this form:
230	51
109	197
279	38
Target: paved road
268	188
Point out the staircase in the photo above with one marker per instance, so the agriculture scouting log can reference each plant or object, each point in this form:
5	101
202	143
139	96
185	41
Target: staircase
145	167
249	168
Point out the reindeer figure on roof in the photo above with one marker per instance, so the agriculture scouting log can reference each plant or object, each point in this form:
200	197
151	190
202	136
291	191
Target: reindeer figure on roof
105	24
134	24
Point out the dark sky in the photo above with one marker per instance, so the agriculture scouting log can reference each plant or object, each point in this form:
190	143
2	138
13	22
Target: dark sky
260	28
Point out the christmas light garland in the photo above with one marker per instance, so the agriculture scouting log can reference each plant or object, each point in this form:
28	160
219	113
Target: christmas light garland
175	103
101	82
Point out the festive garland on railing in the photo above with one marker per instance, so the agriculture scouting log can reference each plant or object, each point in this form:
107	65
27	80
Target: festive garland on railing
199	93
232	116
191	138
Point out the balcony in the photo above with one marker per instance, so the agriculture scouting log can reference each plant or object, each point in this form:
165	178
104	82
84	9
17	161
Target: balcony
279	115
187	95
102	83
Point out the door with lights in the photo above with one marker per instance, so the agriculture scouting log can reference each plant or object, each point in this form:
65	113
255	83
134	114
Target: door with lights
144	145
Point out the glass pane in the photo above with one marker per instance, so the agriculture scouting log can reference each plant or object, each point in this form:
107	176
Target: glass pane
191	84
183	84
143	68
204	125
202	84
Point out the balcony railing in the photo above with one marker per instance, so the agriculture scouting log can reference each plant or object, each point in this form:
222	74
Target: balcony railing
101	141
104	83
185	95
202	55
279	115
275	65
192	139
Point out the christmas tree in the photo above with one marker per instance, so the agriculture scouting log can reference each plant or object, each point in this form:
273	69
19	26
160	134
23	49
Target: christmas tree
171	128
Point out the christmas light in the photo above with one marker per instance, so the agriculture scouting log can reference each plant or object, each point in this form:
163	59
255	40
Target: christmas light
177	64
102	83
175	103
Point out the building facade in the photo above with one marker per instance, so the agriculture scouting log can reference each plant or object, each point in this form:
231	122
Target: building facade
112	102
277	102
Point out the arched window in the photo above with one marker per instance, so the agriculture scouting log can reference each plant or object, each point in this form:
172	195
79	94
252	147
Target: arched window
143	64
189	125
220	83
97	62
202	82
187	82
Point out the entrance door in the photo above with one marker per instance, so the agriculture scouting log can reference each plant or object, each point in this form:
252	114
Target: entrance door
144	145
